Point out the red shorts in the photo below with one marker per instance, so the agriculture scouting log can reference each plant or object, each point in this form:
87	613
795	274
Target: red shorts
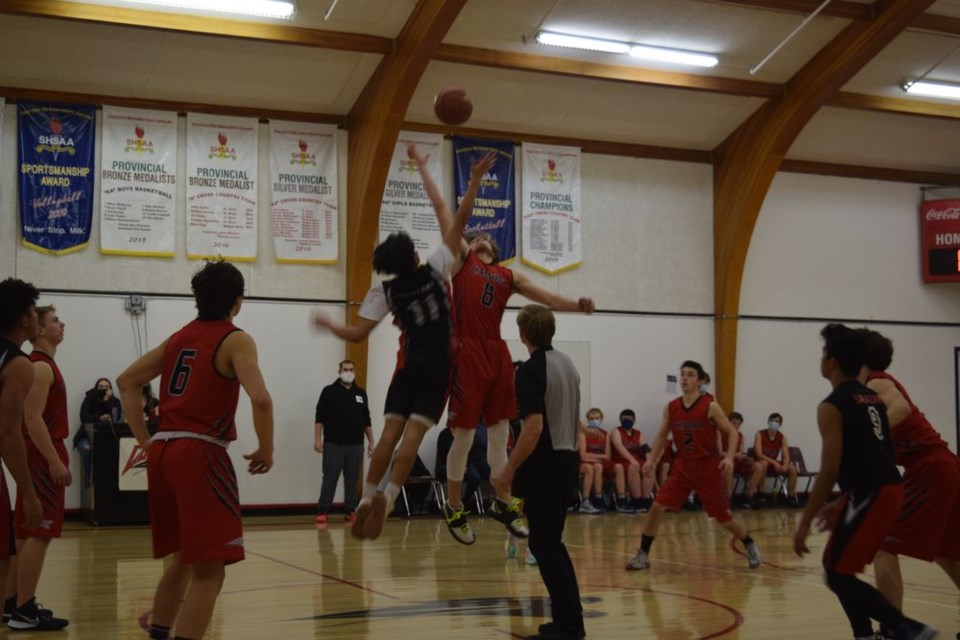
194	505
743	467
929	522
704	477
482	385
8	545
607	467
51	496
861	528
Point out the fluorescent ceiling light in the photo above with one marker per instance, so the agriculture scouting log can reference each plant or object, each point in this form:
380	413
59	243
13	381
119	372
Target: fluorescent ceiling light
582	42
265	8
933	89
673	56
645	52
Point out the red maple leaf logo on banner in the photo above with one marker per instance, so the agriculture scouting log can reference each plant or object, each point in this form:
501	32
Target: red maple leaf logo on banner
139	131
551	165
55	126
137	459
303	146
223	139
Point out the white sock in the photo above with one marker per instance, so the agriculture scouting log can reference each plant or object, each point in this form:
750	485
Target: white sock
391	492
369	490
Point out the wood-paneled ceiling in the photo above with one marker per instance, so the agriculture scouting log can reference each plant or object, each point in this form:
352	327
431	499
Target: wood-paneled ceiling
315	66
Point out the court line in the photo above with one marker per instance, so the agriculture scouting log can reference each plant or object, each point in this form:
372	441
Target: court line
323	575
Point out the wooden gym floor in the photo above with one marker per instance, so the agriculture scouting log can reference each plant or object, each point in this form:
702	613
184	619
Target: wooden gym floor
415	581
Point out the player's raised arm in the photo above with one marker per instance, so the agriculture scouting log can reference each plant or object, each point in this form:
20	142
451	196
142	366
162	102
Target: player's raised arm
525	287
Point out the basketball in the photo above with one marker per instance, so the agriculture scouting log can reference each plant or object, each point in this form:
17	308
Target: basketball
452	106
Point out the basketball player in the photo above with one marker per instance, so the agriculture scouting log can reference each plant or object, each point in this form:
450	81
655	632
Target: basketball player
194	505
417	297
483	383
858	455
18	323
45	428
699	466
928	527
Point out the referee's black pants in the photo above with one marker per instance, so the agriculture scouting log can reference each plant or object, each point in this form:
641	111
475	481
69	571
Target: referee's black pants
548	484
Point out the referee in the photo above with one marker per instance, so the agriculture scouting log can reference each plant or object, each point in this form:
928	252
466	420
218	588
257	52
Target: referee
543	467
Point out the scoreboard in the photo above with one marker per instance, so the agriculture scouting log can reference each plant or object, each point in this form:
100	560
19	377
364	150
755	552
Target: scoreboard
940	240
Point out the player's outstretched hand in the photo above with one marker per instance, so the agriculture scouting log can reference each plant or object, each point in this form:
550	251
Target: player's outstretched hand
260	461
484	164
828	516
320	322
414	155
585	305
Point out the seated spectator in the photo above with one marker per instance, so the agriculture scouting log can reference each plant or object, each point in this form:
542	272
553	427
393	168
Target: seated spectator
742	463
772	452
100	405
595	463
628	452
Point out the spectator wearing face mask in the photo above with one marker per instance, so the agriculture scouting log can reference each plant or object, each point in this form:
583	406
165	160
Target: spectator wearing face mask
100	405
342	421
595	463
629	451
771	450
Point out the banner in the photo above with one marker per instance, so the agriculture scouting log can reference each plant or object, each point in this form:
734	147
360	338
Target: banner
221	187
132	461
551	208
405	205
494	210
138	182
303	192
56	175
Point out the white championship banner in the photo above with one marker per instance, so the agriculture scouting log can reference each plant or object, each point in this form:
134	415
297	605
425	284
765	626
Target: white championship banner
551	240
303	192
405	205
221	187
138	182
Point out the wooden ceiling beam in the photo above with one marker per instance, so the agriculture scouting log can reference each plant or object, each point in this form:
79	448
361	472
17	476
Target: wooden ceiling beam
218	27
374	124
902	106
746	163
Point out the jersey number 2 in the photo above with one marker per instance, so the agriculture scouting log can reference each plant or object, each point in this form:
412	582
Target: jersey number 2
181	372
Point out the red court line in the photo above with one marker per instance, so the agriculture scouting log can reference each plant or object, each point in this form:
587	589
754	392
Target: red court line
323	575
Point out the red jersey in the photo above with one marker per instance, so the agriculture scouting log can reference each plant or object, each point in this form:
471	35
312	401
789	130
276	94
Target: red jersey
630	439
772	448
596	441
194	396
915	436
480	294
725	441
693	432
55	411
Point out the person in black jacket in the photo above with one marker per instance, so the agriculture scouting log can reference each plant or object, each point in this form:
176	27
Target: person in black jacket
100	405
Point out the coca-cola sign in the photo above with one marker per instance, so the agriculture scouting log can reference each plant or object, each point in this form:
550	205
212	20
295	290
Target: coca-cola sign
951	213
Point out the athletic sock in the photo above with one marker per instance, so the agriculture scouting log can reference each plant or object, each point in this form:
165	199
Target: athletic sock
645	543
159	632
391	492
369	490
747	540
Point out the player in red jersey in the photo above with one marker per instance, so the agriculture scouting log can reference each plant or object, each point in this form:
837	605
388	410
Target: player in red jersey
857	455
482	384
628	452
595	462
772	452
743	464
699	465
18	323
44	430
928	527
194	504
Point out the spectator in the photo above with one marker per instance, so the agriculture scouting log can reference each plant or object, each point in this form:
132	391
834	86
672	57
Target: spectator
628	452
772	452
742	463
100	405
595	463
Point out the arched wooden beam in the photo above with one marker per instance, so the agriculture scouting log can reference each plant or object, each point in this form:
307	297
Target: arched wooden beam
747	161
374	123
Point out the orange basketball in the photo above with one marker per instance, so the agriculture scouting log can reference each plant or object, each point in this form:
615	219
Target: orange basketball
452	106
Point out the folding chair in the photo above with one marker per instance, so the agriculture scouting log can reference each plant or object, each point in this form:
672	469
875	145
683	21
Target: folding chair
436	491
796	457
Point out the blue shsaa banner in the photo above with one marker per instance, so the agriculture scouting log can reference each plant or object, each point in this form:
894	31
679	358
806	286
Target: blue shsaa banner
56	175
494	210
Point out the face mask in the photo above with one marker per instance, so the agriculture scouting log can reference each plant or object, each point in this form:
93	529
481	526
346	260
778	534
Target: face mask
703	387
773	425
348	377
102	394
594	424
627	423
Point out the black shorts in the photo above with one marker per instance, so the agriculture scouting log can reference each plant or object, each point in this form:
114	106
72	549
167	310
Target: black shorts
419	390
